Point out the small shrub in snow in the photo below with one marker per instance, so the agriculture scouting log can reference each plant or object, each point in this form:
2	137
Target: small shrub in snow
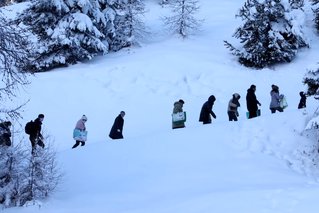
26	178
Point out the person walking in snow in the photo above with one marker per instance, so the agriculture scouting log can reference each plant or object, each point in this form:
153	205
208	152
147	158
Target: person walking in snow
117	128
206	111
178	108
79	132
34	131
275	99
232	107
252	102
303	100
5	133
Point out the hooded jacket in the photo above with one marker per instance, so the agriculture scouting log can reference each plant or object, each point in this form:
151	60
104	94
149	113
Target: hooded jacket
275	99
206	110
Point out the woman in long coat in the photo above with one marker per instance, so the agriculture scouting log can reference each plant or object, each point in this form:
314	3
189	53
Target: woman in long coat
117	128
233	107
252	102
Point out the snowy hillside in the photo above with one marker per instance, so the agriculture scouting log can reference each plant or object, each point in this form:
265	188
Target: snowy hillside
259	165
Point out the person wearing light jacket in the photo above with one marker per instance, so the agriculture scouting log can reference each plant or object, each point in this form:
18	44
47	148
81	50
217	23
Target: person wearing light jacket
232	107
275	99
178	107
79	132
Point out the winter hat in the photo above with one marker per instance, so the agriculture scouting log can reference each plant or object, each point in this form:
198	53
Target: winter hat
274	87
236	95
8	123
181	101
211	99
122	113
84	118
40	116
253	86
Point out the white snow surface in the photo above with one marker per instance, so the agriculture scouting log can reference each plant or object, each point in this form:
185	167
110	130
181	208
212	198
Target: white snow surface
262	165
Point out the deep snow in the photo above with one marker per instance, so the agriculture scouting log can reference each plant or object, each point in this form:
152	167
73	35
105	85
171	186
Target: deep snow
259	165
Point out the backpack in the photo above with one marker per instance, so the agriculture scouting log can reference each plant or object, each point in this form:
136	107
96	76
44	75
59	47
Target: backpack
29	127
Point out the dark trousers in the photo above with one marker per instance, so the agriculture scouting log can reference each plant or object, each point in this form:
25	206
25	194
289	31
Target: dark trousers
178	127
273	110
78	143
207	122
232	116
35	140
252	114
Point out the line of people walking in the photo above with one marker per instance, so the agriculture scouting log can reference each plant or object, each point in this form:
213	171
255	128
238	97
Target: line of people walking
277	103
80	132
33	129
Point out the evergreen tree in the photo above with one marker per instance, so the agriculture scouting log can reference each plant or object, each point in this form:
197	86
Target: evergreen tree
68	31
316	11
311	79
163	2
296	4
183	21
268	37
128	28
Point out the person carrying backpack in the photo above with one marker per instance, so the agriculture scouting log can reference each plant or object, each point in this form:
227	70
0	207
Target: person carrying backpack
33	128
5	133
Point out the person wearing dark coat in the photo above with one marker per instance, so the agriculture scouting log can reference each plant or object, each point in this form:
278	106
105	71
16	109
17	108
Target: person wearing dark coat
5	133
303	100
252	102
36	137
206	111
117	128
